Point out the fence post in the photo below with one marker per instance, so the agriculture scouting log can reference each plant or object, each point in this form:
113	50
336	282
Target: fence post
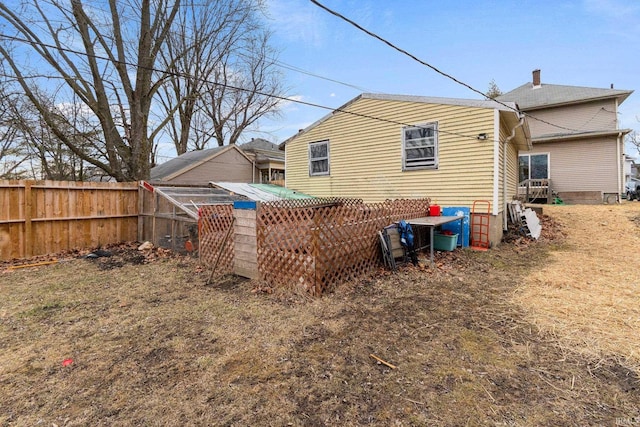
141	212
28	202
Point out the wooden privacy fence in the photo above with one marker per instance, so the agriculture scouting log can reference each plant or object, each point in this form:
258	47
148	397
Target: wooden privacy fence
43	217
318	244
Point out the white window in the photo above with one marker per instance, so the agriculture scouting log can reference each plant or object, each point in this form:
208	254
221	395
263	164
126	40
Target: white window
533	166
420	147
319	158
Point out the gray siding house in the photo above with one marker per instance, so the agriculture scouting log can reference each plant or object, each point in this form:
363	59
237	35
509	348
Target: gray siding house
578	147
258	161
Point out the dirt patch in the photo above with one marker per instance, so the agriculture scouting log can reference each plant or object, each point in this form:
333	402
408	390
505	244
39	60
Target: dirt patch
106	257
150	343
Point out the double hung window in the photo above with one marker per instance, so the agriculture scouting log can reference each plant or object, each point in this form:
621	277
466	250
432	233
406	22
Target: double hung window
420	147
319	158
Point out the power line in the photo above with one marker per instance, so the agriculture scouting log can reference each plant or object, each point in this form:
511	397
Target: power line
420	61
308	73
225	85
297	69
278	63
404	52
300	70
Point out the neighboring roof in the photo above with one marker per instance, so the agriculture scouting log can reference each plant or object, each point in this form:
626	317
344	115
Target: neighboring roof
187	161
264	150
261	192
261	158
530	97
178	163
259	144
474	103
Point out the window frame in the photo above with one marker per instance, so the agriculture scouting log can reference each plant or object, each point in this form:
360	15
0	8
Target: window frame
528	155
433	164
319	159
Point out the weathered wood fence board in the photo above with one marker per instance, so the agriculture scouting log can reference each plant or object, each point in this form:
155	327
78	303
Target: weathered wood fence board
43	217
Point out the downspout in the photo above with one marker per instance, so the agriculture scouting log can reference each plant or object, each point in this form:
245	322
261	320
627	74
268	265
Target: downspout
504	170
619	161
619	143
285	168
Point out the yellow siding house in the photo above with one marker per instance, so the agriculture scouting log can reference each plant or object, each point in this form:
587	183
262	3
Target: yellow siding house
378	147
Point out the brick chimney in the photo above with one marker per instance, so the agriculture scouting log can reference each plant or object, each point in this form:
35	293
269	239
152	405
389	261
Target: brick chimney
536	78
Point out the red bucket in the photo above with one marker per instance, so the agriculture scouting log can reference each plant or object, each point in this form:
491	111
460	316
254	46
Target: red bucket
434	210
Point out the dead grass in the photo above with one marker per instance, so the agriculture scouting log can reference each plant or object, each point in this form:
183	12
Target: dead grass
588	294
153	345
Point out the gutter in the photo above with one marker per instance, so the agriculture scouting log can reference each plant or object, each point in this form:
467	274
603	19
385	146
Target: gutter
581	135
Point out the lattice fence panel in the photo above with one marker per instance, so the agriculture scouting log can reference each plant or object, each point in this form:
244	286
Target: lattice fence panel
407	208
285	247
320	244
213	226
346	244
313	203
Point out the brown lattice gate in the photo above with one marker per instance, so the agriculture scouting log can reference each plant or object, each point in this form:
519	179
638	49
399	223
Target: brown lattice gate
214	226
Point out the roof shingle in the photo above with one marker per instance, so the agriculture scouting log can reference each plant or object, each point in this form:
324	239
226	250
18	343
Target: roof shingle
530	97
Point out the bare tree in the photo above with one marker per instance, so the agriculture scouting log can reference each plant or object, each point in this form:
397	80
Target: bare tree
226	76
246	88
28	147
633	138
106	58
55	160
14	151
494	91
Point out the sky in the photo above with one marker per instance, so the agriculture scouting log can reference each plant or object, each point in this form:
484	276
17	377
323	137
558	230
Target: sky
592	43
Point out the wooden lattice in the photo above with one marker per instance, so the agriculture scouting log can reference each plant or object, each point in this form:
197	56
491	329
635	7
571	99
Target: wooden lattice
319	244
214	224
313	203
